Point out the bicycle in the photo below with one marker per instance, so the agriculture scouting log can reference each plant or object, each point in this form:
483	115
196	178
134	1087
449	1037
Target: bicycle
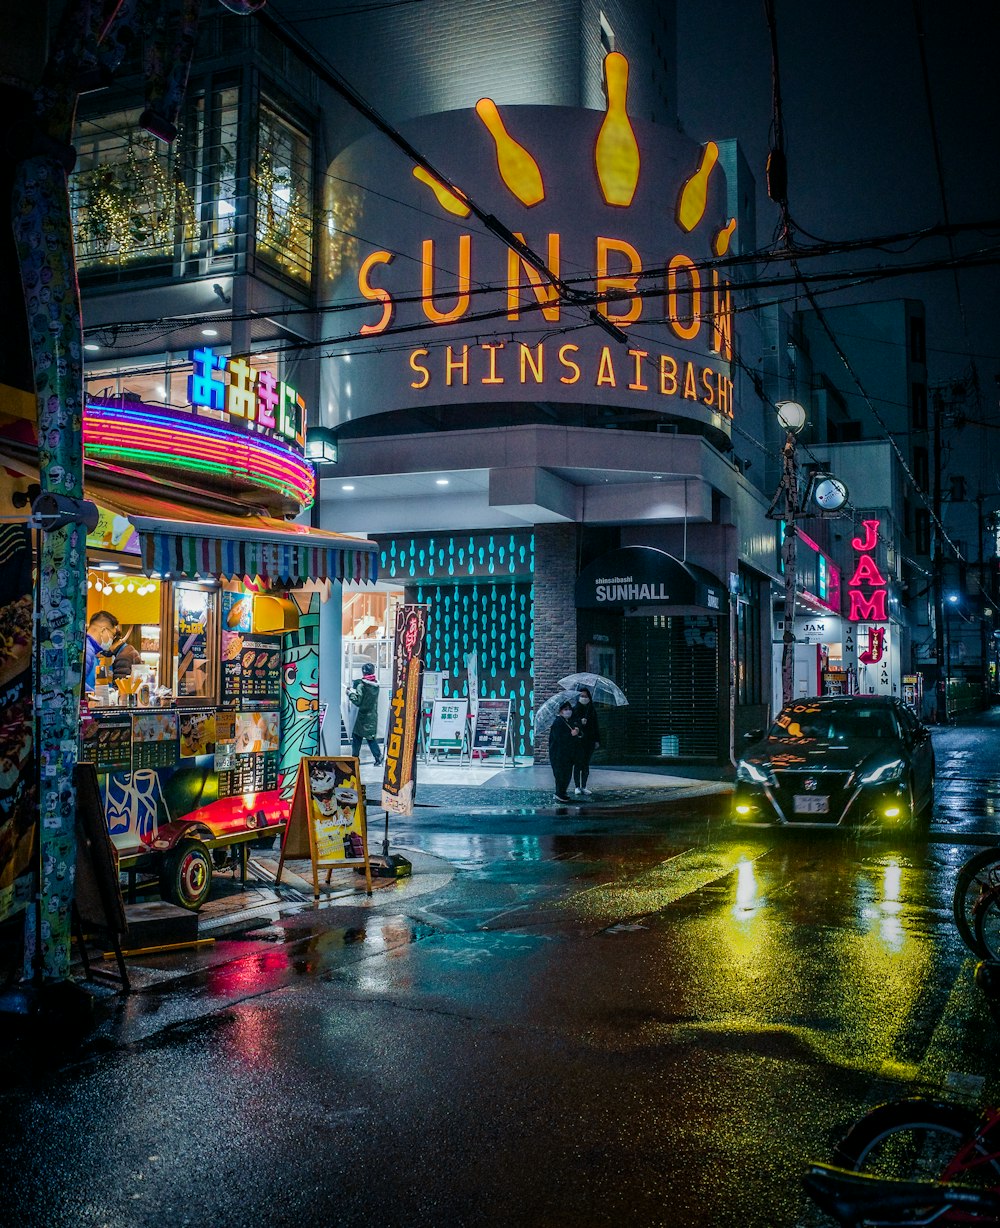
976	879
857	1199
922	1139
987	917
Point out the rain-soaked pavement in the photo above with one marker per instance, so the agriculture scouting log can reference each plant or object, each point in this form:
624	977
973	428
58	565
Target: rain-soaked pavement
642	1017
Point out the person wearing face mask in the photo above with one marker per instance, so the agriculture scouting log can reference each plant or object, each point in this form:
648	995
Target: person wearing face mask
585	719
104	641
562	749
100	637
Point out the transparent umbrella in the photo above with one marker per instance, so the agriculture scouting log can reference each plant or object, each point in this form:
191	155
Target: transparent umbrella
602	690
549	710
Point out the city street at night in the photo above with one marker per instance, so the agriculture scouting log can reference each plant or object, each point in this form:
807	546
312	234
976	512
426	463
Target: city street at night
639	1018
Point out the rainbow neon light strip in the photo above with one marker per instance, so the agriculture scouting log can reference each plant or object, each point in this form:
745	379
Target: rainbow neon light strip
146	436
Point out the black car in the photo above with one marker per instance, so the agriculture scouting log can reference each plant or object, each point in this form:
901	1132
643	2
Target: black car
836	762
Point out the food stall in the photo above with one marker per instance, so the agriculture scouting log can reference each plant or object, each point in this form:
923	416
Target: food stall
197	746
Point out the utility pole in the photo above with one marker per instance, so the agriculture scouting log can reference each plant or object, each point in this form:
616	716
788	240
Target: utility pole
789	558
937	564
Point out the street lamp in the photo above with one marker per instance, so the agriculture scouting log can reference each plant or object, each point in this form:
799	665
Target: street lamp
792	417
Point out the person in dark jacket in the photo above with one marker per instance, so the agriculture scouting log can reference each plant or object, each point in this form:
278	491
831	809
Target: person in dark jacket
364	696
562	749
585	719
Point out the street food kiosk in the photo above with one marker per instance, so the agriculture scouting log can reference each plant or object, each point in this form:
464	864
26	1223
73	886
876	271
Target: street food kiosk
197	746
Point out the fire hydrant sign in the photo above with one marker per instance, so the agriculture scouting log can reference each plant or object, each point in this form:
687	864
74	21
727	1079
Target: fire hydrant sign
327	821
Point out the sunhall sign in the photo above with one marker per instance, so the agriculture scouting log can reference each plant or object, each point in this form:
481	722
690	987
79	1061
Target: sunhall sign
643	576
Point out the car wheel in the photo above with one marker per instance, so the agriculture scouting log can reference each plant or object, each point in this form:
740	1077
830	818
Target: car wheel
186	877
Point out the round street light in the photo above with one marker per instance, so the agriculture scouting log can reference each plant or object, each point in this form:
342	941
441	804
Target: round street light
791	415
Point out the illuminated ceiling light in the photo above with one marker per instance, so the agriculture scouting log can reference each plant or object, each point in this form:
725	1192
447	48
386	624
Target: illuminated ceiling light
210	332
91	347
441	482
348	487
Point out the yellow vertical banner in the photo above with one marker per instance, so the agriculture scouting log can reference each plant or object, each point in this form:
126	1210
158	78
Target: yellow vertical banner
399	779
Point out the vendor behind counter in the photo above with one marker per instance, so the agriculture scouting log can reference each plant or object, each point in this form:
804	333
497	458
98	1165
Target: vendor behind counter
105	643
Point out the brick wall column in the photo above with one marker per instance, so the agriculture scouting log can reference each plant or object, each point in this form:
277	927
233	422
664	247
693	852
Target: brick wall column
554	615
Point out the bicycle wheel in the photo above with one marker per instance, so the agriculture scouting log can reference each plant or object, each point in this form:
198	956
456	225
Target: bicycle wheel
917	1140
988	924
979	874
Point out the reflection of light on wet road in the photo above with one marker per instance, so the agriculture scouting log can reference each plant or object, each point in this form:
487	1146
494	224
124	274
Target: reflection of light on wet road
746	891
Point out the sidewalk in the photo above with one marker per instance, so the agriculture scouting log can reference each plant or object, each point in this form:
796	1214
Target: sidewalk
478	788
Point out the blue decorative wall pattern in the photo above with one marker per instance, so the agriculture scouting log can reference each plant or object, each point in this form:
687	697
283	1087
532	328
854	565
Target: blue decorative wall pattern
478	587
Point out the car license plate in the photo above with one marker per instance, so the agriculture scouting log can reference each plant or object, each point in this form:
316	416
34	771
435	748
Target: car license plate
807	803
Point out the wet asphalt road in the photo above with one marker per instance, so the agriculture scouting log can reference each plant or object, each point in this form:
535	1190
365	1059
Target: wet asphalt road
640	1020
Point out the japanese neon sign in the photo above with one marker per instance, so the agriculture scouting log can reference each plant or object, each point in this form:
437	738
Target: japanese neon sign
867	586
256	400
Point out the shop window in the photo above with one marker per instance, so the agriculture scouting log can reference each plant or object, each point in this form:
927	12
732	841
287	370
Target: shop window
283	190
139	204
192	631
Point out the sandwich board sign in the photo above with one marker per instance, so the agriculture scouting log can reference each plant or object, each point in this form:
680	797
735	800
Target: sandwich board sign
449	718
327	821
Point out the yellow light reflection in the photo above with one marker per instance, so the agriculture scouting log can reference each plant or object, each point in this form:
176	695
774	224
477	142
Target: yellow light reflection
746	890
445	197
518	169
616	154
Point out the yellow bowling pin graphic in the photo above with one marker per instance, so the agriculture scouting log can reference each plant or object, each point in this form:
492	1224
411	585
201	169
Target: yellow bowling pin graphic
720	244
694	194
445	197
616	154
518	169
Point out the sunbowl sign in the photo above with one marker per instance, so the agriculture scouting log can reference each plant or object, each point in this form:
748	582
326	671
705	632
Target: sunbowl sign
440	311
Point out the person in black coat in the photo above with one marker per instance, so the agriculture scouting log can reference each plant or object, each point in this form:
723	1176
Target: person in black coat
562	749
585	718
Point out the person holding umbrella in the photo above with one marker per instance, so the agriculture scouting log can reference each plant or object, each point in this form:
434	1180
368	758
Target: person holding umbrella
562	749
584	716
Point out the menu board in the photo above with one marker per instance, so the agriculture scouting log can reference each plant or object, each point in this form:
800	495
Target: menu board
492	723
247	762
154	739
251	671
106	741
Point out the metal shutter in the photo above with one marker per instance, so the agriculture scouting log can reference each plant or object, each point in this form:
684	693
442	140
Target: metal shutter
672	682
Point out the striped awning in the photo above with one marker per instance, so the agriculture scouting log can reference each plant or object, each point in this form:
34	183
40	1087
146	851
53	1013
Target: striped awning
283	553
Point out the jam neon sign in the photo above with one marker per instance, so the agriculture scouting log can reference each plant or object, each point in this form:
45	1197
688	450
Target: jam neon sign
867	586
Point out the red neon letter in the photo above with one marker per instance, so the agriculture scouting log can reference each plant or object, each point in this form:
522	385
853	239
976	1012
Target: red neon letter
872	607
870	538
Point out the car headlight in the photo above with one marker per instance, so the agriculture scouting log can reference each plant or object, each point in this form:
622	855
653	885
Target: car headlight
754	773
884	774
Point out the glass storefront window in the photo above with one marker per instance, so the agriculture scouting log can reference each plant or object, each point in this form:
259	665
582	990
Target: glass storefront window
283	184
192	631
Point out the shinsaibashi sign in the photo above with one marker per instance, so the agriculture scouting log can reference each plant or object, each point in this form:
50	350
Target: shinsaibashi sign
443	312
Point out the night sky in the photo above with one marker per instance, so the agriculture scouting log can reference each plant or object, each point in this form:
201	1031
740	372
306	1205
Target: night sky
858	139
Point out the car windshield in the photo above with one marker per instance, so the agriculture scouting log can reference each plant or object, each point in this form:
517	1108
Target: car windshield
835	725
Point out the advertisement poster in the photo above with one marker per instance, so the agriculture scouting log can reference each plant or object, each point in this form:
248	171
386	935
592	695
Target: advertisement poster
448	721
327	821
197	733
18	788
399	780
492	723
191	607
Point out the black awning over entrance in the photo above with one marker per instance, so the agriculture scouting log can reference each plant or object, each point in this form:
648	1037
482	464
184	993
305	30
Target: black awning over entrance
644	576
